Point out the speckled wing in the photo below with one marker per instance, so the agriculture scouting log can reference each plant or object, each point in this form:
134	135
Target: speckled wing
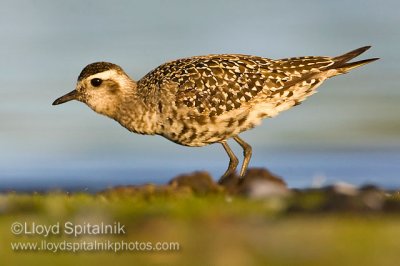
216	84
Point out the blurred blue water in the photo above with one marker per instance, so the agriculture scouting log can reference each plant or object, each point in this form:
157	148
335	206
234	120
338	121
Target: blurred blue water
299	169
46	44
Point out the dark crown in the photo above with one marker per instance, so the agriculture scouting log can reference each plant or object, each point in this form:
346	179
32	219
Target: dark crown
97	67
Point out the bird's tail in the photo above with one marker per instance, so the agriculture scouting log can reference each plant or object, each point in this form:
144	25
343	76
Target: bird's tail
341	62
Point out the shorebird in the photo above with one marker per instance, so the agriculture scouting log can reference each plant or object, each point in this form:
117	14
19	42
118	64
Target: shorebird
208	99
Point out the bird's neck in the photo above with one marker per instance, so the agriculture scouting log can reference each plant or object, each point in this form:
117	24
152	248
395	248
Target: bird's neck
137	113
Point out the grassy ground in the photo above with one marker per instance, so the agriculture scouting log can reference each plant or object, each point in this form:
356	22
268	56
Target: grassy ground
314	227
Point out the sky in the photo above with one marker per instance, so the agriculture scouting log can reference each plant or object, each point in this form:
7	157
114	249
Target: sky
45	44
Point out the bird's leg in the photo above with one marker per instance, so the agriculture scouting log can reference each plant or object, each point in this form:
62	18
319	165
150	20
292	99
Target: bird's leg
246	153
233	160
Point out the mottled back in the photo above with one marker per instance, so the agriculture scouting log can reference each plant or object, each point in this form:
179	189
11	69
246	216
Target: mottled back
215	84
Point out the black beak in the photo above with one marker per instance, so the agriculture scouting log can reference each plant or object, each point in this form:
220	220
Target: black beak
67	97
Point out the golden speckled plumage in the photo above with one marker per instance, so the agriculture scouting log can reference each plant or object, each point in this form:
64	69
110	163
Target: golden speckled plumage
207	99
216	84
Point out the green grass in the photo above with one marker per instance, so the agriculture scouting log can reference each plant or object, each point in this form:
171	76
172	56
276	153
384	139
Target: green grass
215	229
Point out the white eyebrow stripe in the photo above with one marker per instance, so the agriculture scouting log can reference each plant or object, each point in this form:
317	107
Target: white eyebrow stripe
109	74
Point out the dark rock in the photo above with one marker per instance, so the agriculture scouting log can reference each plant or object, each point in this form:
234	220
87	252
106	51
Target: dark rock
257	183
198	182
341	197
392	202
373	197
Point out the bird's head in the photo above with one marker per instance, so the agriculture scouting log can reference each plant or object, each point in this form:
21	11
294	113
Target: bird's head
102	86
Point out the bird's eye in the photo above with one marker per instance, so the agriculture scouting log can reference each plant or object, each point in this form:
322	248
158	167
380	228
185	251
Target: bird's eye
96	82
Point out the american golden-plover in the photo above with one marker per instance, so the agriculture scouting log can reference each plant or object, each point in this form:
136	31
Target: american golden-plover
208	99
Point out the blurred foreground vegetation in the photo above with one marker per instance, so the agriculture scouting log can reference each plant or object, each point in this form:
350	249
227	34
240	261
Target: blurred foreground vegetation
328	226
